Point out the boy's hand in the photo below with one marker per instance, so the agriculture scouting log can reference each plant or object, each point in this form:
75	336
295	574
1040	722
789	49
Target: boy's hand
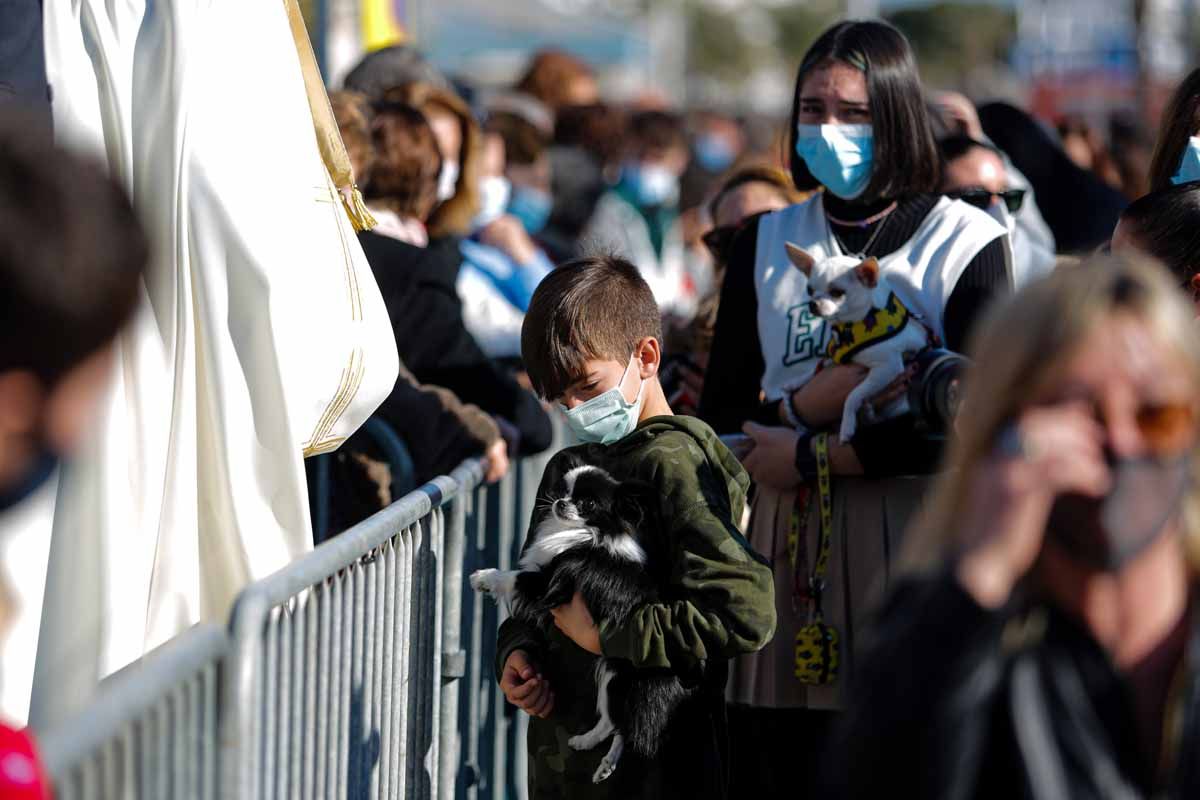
524	688
575	621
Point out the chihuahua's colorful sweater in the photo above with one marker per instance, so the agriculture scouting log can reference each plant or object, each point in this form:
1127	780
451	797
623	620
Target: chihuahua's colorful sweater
847	339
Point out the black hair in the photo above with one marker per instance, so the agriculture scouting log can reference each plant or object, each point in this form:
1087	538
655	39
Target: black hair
660	130
71	255
597	307
1166	225
955	147
906	156
1180	122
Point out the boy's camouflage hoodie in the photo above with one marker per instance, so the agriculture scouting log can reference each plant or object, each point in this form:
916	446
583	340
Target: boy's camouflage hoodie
719	603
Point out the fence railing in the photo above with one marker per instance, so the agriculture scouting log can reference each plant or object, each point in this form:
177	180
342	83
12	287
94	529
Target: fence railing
363	669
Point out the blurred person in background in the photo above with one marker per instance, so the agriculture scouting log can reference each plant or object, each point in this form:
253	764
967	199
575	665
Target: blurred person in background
974	172
559	80
72	255
389	67
747	192
953	115
1080	208
1132	146
638	219
502	263
525	130
1166	225
1084	145
419	283
585	157
717	142
860	133
1040	641
1177	152
439	430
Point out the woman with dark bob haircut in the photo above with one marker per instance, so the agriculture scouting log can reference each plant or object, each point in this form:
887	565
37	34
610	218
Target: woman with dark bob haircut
1177	153
859	131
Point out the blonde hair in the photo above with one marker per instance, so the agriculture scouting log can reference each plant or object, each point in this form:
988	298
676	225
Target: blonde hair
1019	351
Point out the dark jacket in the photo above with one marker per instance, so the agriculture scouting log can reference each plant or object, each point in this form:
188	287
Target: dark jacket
955	701
418	287
721	604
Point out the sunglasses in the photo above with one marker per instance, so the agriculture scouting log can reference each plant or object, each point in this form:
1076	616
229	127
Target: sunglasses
1167	428
982	198
718	240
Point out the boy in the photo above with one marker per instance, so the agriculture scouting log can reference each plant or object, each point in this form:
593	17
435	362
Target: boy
591	337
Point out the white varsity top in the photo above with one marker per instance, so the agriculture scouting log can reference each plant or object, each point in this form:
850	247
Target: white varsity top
922	273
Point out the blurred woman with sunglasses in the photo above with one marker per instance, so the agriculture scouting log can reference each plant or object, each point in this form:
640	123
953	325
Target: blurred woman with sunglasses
975	173
1166	224
1044	632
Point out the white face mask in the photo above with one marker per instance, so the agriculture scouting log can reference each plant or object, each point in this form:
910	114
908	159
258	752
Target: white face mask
447	181
999	212
608	417
494	192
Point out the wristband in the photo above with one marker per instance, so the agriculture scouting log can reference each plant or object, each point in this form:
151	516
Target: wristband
806	459
789	413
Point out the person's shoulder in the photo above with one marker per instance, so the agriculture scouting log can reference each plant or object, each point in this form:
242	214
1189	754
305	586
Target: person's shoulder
964	217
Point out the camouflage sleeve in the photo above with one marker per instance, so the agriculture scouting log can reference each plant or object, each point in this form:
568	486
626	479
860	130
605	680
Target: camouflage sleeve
724	592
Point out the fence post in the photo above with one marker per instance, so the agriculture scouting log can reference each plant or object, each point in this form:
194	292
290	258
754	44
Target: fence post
453	665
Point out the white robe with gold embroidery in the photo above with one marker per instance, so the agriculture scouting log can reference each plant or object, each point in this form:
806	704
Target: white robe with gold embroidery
262	336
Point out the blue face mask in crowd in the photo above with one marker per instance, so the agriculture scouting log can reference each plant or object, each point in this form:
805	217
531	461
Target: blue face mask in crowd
651	184
532	207
713	153
839	156
1189	165
607	417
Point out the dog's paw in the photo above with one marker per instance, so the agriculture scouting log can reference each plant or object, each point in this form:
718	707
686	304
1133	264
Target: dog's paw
607	768
587	741
849	426
484	580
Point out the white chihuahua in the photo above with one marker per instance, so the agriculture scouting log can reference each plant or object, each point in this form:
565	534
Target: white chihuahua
868	325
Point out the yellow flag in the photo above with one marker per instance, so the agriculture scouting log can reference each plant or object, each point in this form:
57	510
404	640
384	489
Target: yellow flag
380	28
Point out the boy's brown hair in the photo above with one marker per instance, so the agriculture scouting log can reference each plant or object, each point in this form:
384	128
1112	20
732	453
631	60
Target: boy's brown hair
598	307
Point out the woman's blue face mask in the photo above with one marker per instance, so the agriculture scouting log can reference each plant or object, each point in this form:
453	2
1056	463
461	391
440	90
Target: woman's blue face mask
841	157
532	207
1189	164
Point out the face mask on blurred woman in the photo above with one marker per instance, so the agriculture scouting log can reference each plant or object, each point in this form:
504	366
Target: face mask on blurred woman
532	207
651	184
839	156
447	181
494	192
1189	165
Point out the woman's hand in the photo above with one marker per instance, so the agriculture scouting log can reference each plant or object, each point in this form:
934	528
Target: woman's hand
772	460
508	235
497	461
1049	451
575	621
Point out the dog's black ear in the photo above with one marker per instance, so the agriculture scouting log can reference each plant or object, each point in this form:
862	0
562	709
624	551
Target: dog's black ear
632	500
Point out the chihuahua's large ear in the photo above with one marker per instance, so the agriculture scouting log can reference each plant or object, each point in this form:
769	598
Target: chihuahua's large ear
800	259
868	272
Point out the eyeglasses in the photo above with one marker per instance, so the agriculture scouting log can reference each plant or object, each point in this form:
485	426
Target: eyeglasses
982	198
718	240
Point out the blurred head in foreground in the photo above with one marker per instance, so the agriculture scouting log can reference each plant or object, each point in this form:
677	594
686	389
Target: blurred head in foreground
71	255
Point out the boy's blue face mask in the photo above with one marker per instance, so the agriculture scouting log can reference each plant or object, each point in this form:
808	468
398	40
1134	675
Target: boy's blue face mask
652	184
532	207
608	417
839	156
713	153
1189	165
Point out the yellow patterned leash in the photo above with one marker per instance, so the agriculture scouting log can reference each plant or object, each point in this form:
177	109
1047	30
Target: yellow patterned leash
817	656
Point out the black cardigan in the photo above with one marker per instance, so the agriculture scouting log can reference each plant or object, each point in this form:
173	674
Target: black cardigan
418	287
732	383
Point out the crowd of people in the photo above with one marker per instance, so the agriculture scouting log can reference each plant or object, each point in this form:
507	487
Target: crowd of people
997	603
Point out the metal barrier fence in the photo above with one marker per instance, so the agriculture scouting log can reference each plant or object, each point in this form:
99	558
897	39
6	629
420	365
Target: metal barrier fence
363	669
152	730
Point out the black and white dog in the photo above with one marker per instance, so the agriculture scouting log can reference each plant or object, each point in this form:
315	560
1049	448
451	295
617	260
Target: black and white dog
592	542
